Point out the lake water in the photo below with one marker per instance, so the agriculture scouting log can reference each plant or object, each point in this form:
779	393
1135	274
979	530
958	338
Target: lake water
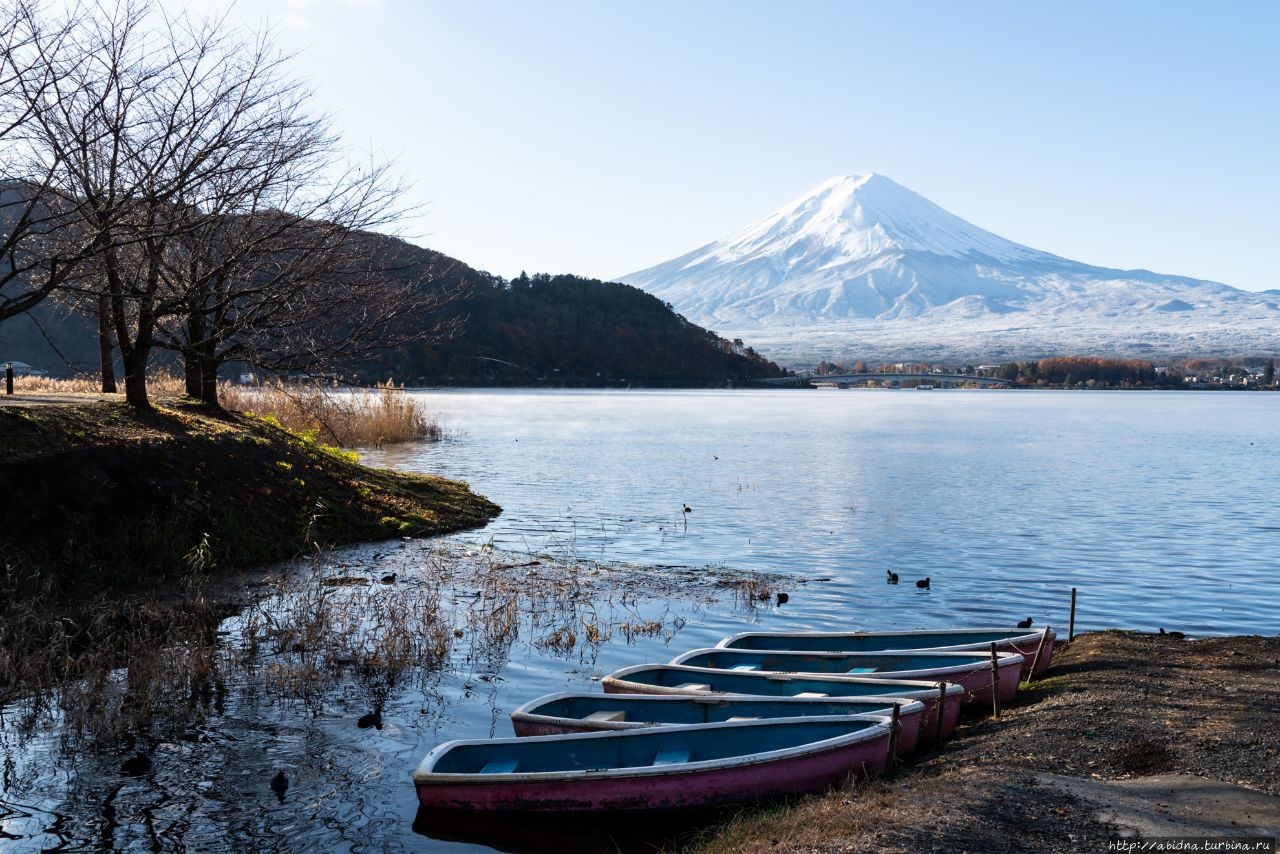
1160	508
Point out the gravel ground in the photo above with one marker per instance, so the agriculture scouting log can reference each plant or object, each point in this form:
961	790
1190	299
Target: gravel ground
1115	707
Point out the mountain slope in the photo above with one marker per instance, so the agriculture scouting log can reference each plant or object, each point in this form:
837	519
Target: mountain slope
539	330
863	257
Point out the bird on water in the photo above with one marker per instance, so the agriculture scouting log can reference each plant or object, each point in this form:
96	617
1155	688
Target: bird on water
1025	624
140	764
279	783
891	576
923	583
687	508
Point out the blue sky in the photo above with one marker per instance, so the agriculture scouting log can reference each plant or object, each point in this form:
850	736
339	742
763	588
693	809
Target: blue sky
599	138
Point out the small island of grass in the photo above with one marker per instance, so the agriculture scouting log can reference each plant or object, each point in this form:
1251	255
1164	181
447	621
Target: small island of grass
111	497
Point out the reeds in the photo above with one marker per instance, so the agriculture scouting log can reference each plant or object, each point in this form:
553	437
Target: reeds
321	632
159	384
347	418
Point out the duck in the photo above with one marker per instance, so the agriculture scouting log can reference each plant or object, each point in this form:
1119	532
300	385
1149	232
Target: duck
923	583
389	578
891	576
1025	624
687	508
373	719
1174	635
136	766
279	784
783	598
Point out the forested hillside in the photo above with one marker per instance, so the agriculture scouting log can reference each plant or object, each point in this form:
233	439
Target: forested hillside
568	330
533	330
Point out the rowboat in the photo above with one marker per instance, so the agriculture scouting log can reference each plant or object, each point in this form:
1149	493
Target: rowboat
1021	641
658	768
941	700
575	712
970	670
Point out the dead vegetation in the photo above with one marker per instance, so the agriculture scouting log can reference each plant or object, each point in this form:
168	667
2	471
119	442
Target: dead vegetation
366	625
345	417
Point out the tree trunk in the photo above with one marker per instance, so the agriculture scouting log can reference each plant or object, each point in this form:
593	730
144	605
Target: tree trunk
192	356
209	377
200	371
135	378
105	345
133	352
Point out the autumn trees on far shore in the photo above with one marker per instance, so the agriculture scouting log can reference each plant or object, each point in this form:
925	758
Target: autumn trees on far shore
166	173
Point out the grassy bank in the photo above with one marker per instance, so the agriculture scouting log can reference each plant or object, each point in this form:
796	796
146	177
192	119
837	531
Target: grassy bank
99	497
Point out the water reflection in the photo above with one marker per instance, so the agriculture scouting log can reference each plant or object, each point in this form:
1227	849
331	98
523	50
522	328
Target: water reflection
311	705
1160	508
1157	506
601	833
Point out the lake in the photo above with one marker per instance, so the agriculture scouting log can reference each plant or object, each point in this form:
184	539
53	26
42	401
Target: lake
1160	508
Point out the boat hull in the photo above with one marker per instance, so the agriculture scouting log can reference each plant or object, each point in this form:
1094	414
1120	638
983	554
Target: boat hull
941	700
558	714
1025	643
970	670
854	748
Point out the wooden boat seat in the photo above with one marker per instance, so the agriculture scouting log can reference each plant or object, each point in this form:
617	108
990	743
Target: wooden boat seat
500	765
671	756
812	694
694	686
606	716
744	667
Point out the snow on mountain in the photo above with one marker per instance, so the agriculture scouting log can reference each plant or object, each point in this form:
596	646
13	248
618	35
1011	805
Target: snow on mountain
862	266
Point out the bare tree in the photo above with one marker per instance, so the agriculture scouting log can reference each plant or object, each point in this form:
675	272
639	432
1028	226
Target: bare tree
42	243
221	219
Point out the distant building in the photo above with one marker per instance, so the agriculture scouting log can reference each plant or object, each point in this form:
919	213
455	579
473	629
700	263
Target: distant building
22	369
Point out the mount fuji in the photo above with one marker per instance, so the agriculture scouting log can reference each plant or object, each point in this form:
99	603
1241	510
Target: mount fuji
862	267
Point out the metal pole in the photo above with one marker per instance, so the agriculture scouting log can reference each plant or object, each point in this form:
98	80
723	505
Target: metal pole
1071	627
995	682
8	377
942	710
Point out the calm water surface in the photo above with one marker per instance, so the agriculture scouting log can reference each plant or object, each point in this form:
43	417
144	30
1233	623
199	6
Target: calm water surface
1160	508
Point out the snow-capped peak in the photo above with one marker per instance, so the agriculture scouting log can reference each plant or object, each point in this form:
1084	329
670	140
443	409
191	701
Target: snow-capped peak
857	217
863	259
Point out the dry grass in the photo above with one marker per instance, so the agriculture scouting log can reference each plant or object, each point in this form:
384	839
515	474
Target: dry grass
347	418
359	418
110	666
316	631
160	384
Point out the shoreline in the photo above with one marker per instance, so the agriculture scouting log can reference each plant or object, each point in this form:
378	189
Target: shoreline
1128	735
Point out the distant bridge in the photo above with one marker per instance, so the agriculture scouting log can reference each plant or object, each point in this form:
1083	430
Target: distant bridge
939	380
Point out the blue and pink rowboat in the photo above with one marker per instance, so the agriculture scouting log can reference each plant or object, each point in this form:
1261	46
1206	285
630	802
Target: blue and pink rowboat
660	768
1035	647
970	670
941	699
567	712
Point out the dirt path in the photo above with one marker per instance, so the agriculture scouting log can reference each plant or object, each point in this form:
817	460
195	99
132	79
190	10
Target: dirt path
19	398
